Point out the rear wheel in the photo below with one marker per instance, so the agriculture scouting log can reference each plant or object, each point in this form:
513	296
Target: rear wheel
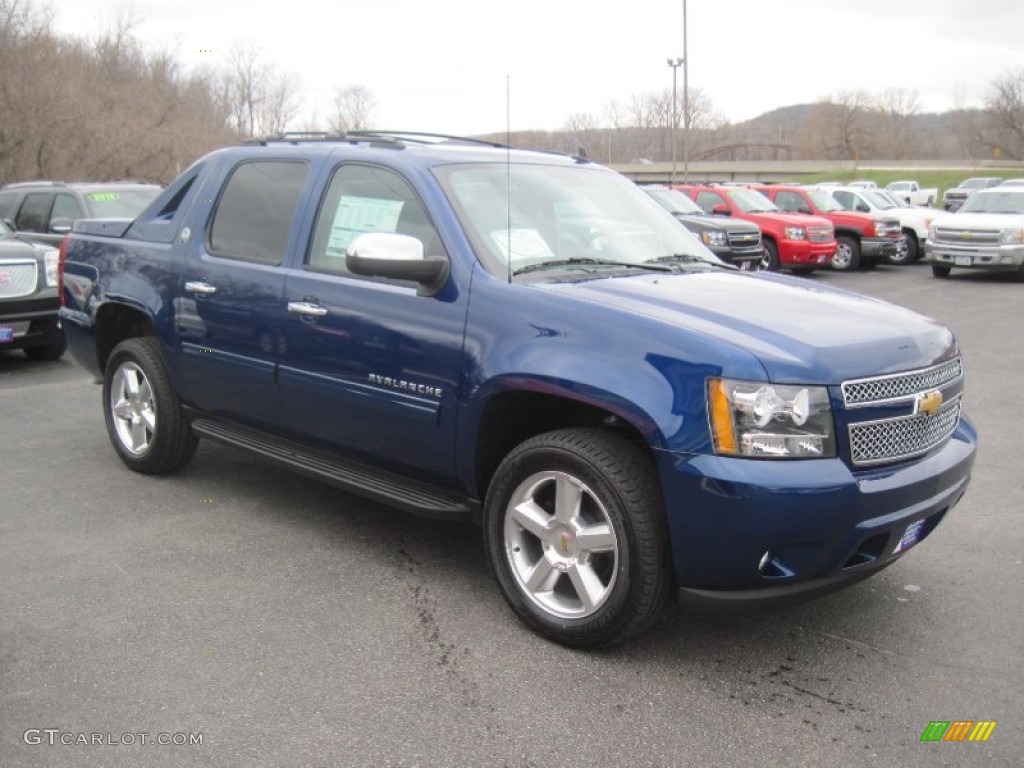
142	412
575	532
940	271
847	255
770	259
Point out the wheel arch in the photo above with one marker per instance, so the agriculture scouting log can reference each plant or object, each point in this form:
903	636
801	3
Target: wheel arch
116	322
515	414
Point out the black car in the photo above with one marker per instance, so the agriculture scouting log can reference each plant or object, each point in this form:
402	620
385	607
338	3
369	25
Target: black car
43	211
733	241
28	298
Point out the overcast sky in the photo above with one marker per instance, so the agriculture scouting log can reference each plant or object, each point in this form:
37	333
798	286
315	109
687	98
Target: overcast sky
442	65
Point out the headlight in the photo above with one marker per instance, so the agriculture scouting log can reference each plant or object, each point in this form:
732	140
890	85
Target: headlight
713	238
770	421
796	233
50	261
1012	237
931	233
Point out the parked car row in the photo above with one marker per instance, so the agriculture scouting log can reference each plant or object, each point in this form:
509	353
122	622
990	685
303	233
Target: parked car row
34	217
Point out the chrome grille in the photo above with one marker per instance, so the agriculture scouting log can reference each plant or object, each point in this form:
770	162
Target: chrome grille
745	239
900	385
17	278
819	234
873	442
967	236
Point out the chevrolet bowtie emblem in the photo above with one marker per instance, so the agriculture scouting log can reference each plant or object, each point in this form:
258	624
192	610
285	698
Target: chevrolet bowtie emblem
928	403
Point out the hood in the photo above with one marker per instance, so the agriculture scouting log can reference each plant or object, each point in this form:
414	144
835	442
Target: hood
792	219
801	333
13	248
963	220
705	221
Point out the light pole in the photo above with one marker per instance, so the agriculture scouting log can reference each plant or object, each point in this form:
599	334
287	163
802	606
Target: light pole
675	64
686	104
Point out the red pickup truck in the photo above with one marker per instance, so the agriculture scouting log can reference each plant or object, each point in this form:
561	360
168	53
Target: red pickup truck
791	241
863	239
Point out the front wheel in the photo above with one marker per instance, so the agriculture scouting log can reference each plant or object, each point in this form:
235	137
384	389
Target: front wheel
142	412
940	271
906	249
770	259
575	532
847	255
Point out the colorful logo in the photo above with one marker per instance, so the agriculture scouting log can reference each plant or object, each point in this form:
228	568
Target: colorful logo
958	730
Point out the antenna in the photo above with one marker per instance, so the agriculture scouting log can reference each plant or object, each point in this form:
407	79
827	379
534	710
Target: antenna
508	175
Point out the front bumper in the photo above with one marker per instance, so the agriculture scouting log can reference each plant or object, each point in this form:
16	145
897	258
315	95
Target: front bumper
804	254
765	533
32	322
1003	257
878	248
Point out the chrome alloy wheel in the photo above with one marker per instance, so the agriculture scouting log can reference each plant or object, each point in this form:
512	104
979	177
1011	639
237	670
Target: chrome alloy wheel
561	545
133	408
843	258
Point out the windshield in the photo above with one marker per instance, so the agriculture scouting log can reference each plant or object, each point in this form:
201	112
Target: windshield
878	199
823	200
522	217
750	201
115	203
674	201
995	200
979	183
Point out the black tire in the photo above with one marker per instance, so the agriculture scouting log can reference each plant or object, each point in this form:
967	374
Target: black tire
146	426
906	251
770	260
847	255
586	597
50	351
940	271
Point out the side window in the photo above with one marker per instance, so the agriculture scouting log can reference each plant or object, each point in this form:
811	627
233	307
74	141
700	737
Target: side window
362	198
65	207
845	199
256	209
32	216
7	201
708	200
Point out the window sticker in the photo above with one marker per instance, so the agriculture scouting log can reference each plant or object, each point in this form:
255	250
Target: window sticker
527	244
356	215
104	197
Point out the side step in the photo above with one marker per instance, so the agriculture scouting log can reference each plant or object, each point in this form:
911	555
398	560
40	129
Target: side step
387	487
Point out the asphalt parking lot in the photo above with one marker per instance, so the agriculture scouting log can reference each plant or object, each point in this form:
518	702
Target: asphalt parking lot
285	623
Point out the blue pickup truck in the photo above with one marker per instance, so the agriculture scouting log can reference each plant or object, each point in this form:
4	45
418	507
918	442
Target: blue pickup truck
527	341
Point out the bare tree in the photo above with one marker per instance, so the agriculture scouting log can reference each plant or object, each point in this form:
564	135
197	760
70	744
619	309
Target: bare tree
352	108
1005	123
897	106
261	100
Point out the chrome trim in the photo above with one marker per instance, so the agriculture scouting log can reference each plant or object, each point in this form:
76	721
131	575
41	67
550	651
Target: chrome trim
859	393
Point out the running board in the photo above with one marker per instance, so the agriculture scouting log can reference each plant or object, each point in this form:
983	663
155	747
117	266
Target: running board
387	487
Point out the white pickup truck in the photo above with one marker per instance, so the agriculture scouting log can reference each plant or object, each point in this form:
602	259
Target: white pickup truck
913	193
914	222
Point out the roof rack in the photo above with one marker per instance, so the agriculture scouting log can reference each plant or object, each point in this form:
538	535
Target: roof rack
391	138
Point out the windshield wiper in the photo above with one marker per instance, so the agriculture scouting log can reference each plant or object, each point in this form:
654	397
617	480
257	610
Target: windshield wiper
586	261
685	258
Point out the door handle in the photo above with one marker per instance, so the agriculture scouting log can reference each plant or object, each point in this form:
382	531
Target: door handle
306	308
198	286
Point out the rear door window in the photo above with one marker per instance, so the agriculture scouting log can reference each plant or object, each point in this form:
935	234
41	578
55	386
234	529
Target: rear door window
256	209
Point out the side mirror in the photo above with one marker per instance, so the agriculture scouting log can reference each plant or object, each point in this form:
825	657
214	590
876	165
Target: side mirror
721	210
863	208
10	224
397	257
803	209
60	226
